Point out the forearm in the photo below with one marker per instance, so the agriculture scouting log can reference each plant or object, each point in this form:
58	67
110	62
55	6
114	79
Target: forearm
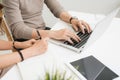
8	45
9	59
43	33
65	16
5	45
13	58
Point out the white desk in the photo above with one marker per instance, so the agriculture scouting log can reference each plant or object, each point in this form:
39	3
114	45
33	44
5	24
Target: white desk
106	49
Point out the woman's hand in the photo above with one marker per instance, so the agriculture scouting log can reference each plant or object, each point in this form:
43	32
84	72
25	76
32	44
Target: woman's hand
39	47
25	44
64	34
80	25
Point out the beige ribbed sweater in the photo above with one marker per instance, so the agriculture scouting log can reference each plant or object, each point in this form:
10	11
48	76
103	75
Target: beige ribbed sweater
24	15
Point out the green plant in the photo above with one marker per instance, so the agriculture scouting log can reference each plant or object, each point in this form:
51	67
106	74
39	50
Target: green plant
57	76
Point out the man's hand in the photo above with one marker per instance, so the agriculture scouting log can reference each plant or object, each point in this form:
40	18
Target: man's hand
64	34
80	25
76	24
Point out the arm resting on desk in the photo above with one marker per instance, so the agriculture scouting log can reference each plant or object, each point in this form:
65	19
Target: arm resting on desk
37	48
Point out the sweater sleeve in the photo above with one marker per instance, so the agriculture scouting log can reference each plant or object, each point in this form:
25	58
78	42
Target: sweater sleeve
14	19
54	7
20	30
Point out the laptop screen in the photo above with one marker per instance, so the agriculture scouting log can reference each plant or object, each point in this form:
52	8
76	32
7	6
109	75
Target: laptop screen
92	69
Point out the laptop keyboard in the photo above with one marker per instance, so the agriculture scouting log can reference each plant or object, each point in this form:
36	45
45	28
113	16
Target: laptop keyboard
83	37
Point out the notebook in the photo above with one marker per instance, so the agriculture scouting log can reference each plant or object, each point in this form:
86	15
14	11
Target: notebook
86	39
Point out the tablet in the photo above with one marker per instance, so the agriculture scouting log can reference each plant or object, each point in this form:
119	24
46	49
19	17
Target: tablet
89	68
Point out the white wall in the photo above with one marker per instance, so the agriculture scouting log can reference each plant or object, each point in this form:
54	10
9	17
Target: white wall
90	6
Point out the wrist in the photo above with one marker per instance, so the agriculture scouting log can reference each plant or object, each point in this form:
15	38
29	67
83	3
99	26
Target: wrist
51	34
29	52
72	19
18	44
21	55
43	34
25	53
38	33
15	45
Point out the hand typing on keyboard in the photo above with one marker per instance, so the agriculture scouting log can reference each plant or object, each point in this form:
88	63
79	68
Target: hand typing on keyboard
83	37
64	34
80	25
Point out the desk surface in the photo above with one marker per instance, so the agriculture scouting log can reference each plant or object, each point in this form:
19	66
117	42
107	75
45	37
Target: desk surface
106	49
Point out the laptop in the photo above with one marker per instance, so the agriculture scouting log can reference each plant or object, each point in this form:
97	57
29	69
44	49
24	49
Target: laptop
88	38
